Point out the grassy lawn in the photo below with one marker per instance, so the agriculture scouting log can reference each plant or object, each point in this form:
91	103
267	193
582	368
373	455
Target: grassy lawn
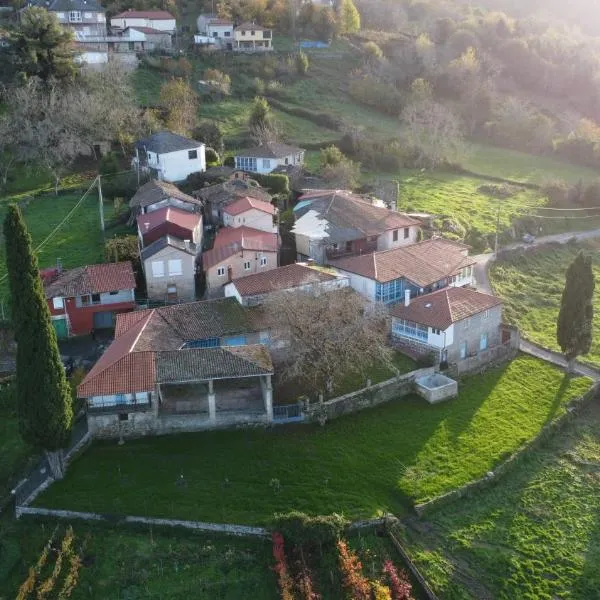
460	198
531	284
535	535
518	166
78	242
128	563
360	465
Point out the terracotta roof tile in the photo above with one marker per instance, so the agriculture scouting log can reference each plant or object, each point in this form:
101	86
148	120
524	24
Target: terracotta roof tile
169	214
92	279
154	191
423	263
444	307
283	278
237	207
231	240
145	14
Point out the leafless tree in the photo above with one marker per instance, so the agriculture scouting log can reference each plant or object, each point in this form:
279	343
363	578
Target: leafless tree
327	336
265	133
433	133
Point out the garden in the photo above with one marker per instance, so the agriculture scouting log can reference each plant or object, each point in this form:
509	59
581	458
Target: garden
246	476
534	535
530	283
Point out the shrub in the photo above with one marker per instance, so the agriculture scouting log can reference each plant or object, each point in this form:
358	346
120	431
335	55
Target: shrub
276	183
229	161
210	133
212	158
303	530
301	63
353	581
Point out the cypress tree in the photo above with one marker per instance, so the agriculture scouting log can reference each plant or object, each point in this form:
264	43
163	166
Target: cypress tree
574	326
43	392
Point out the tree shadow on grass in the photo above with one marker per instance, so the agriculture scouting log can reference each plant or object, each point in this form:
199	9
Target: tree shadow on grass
557	401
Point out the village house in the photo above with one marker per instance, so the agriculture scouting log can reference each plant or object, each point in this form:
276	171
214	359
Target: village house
237	252
421	268
84	17
88	298
454	324
331	224
169	156
216	197
171	221
268	157
183	367
170	266
146	39
159	20
250	37
252	212
216	30
253	290
156	195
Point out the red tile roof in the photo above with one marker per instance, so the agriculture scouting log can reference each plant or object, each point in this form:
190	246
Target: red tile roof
182	218
423	263
92	279
231	240
145	14
237	207
444	307
283	278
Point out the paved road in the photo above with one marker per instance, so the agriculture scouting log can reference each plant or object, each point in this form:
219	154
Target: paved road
484	260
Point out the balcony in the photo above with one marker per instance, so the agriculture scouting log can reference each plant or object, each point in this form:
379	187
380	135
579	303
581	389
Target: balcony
111	407
415	333
355	249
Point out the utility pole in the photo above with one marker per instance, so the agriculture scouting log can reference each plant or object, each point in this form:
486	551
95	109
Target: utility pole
101	203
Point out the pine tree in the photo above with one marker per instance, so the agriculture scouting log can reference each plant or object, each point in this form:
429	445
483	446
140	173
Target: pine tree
43	392
349	17
574	326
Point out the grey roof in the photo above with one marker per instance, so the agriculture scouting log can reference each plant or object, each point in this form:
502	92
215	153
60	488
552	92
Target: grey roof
67	5
168	240
154	191
270	150
163	142
231	190
212	363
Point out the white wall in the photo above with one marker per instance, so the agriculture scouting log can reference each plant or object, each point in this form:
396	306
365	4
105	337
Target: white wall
257	219
363	285
232	292
266	165
441	340
169	202
386	240
176	166
220	30
121	296
91	58
160	24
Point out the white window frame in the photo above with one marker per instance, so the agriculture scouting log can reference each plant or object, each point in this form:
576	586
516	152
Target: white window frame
263	261
266	163
483	337
157	272
463	350
175	267
247	265
75	16
58	303
486	314
221	272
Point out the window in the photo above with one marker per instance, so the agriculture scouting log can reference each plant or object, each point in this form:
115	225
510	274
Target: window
215	34
467	323
158	268
57	303
247	266
389	292
221	271
463	350
243	32
131	46
486	314
123	417
192	154
75	16
252	33
60	16
266	163
246	163
95	298
287	160
175	267
172	292
483	341
227	34
85	300
348	246
406	232
263	261
395	235
114	293
436	331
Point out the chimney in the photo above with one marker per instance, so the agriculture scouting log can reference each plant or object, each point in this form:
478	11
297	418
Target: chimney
406	297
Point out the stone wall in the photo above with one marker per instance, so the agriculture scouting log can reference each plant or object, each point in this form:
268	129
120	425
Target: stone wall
367	397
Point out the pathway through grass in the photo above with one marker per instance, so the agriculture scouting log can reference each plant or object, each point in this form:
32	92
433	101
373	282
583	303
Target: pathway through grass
359	465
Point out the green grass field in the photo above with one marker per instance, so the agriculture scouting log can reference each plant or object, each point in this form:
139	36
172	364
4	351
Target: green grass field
531	285
360	465
533	536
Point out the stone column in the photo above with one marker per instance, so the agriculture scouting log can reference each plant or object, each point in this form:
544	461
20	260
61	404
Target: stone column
267	390
212	402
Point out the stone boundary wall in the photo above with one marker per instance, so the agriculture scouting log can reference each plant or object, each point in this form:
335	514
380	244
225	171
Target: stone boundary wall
241	530
549	430
394	388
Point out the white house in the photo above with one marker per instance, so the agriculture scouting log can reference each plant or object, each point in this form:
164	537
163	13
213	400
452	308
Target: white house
251	212
154	19
453	323
266	158
418	269
219	31
250	37
169	156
